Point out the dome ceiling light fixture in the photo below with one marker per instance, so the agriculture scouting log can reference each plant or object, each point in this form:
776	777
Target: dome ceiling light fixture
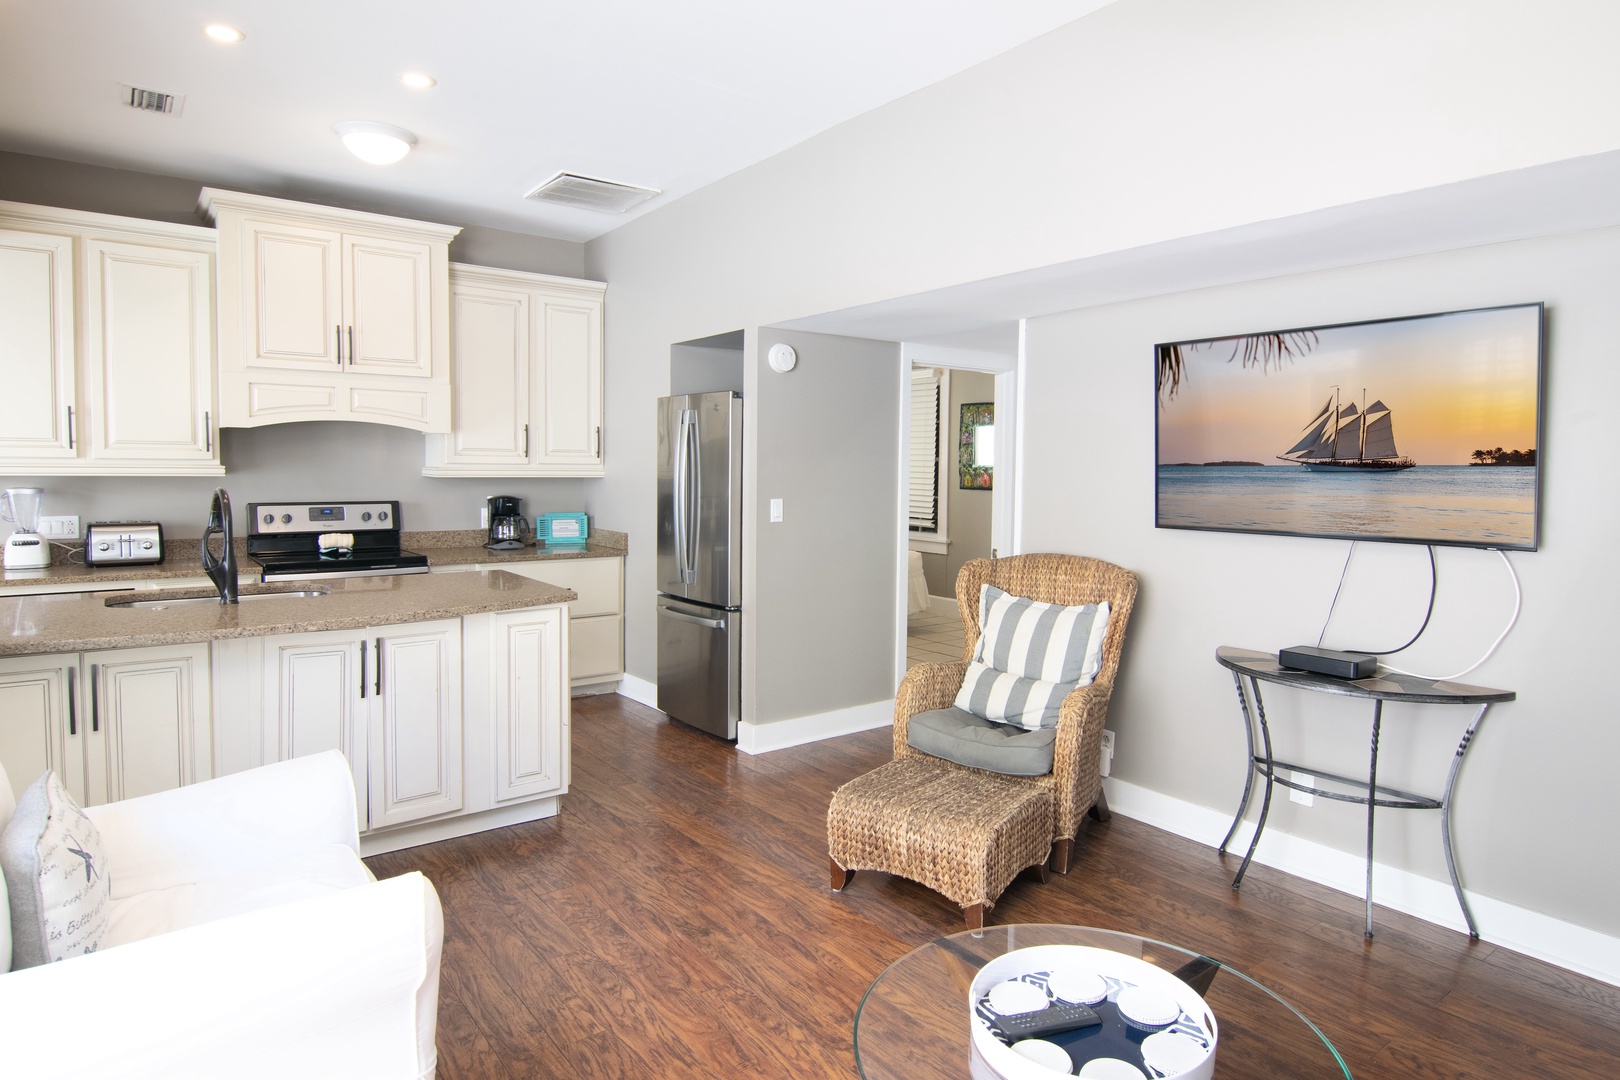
225	35
376	144
418	80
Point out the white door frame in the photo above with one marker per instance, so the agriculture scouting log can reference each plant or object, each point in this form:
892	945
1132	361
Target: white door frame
1005	495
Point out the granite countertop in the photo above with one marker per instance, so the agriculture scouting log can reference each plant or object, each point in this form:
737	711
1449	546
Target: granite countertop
82	621
182	558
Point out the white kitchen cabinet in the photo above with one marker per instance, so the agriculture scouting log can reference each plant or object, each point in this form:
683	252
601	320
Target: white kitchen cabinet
36	349
526	361
109	345
389	698
113	724
528	709
328	314
149	720
39	724
595	620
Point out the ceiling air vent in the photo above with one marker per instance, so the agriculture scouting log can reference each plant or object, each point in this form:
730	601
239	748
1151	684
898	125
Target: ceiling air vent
588	193
157	101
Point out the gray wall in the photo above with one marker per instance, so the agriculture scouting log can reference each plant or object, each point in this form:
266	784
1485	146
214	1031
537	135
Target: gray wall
698	369
76	186
1538	784
822	626
967	515
914	196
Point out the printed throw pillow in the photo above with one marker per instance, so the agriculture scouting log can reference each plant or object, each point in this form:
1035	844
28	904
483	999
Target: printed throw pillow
55	870
1029	657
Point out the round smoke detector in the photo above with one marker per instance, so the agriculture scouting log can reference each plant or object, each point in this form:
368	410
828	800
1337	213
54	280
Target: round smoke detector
782	357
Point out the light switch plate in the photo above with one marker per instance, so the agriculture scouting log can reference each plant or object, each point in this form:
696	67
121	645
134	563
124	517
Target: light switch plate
776	509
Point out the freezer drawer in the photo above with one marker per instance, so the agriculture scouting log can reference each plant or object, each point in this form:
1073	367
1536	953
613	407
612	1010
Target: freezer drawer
699	665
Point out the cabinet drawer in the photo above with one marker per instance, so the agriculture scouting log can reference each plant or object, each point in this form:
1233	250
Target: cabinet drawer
595	580
595	647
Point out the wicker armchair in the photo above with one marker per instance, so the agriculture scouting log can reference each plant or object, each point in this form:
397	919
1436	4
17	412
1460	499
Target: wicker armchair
1075	780
967	832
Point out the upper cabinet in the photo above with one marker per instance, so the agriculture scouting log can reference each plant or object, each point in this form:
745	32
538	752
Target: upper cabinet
108	349
329	314
527	376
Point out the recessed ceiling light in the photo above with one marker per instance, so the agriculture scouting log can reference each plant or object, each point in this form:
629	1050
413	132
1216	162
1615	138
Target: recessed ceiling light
416	80
225	35
378	144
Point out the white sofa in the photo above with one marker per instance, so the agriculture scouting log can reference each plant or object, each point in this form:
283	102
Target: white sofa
246	940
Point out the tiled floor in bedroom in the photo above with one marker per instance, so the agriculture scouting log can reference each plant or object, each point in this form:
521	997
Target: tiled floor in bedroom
935	636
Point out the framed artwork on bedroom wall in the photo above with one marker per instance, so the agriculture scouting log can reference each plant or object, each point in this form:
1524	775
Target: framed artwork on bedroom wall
975	446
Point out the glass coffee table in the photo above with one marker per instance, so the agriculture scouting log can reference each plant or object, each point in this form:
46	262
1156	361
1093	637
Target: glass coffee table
913	1023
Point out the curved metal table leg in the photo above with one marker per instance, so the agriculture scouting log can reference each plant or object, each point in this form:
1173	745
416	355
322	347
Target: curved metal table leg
1265	801
1248	763
1372	804
1445	818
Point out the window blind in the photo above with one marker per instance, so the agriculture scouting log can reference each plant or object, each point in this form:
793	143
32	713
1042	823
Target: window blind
924	461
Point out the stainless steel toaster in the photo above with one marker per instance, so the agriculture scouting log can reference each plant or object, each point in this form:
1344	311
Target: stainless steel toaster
123	543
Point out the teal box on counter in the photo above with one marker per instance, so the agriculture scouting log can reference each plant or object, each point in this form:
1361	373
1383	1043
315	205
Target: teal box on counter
562	532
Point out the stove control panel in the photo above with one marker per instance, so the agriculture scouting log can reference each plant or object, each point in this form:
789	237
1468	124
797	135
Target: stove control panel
272	519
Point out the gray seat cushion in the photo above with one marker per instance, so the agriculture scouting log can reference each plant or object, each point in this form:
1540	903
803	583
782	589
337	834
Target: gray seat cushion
957	735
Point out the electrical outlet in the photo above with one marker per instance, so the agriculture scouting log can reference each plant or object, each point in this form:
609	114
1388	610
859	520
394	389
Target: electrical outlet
60	526
1107	752
1304	798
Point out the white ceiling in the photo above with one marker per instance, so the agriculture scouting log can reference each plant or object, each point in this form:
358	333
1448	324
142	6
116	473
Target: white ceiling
665	95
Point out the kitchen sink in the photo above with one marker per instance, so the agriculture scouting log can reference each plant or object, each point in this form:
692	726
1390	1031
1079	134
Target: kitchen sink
160	603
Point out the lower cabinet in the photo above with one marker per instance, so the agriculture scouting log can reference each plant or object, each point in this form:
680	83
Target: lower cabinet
388	698
441	721
595	620
113	724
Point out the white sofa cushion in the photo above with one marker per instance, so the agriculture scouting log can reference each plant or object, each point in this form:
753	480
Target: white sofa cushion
317	871
56	877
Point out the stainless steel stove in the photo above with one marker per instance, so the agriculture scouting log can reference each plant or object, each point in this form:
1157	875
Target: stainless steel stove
295	541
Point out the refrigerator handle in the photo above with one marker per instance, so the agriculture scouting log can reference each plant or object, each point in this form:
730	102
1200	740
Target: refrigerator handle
686	497
694	498
681	616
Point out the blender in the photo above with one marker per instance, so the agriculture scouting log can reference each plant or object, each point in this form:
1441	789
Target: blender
25	548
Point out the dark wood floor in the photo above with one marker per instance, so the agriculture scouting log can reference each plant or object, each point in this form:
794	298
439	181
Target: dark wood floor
674	921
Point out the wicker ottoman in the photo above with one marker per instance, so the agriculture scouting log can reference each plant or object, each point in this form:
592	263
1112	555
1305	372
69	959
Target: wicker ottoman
965	833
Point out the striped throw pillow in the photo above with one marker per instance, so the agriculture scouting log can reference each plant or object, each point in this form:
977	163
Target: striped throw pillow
1029	657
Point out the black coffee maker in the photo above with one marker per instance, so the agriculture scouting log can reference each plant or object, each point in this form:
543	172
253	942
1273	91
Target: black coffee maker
508	528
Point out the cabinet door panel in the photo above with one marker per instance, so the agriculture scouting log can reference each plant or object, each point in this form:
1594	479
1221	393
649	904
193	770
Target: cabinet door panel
490	344
416	736
296	314
39	725
148	723
389	302
573	386
36	345
150	352
313	687
531	707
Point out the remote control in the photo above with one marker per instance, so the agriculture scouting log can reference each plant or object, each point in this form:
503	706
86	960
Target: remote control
1059	1016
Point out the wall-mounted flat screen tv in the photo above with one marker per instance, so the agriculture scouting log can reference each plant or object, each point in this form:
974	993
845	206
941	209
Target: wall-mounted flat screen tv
1423	430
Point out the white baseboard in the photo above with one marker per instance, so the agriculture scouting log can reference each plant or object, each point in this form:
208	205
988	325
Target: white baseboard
1577	948
639	690
763	738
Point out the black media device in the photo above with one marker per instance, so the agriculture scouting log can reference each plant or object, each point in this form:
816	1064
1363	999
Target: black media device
1341	665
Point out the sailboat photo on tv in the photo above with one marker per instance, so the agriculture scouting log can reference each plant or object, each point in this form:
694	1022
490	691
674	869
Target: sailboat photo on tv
1424	429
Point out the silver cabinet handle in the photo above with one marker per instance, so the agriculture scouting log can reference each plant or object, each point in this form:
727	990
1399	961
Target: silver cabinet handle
681	616
351	345
525	440
95	699
73	712
208	432
70	427
337	331
599	441
362	669
379	667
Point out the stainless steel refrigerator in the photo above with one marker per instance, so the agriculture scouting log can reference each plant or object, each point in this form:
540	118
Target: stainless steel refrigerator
700	560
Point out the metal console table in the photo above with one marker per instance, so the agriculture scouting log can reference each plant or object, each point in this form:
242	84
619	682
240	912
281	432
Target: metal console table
1258	667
